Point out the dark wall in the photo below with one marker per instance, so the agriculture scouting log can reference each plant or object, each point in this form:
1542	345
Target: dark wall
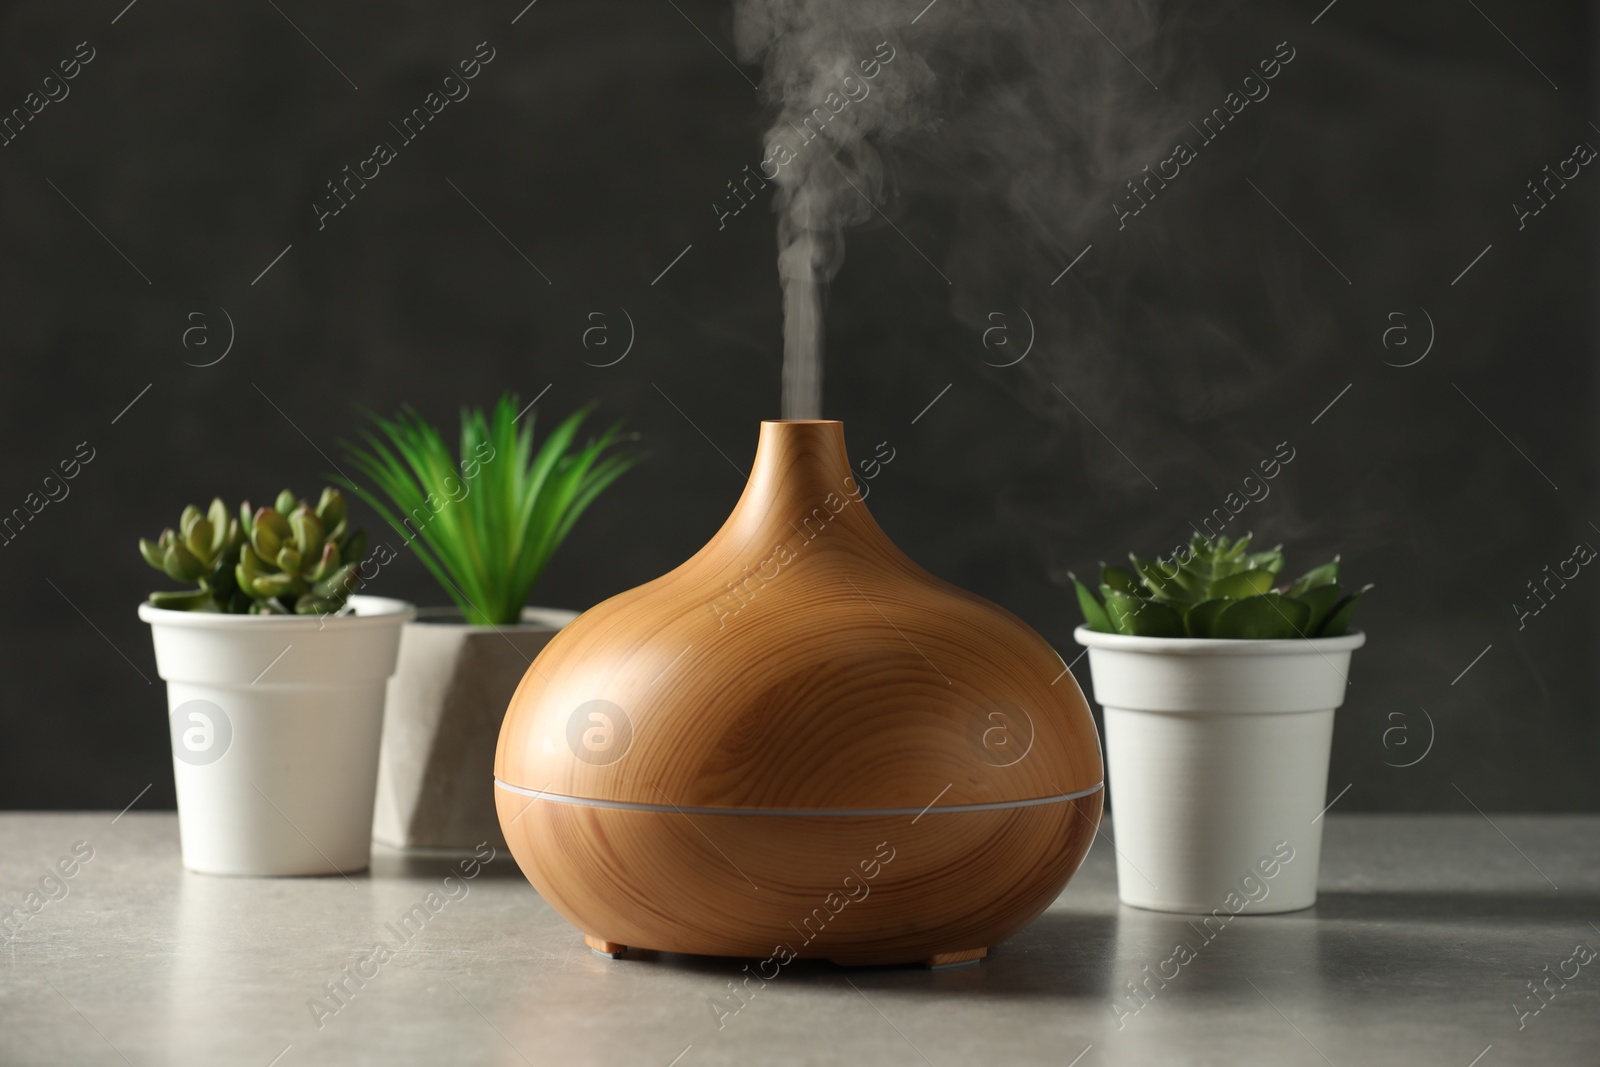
1178	352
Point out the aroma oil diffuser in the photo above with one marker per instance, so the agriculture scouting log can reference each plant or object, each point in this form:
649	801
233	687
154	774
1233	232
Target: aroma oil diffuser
799	744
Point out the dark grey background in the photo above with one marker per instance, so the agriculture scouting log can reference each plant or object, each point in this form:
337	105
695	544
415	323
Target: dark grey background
597	140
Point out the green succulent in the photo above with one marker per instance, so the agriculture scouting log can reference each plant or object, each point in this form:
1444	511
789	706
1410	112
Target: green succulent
1214	588
288	559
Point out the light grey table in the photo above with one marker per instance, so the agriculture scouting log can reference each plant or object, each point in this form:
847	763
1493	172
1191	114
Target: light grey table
1426	934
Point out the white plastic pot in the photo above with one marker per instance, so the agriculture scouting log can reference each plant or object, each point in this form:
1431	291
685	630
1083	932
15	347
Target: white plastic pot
275	727
1217	761
442	722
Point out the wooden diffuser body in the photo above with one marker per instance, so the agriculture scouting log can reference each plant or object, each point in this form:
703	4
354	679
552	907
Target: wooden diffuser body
799	744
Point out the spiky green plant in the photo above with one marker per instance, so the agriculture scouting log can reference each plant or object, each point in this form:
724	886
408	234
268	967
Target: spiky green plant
286	559
1212	588
484	527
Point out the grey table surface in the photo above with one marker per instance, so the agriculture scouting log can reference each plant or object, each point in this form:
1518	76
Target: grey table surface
1420	950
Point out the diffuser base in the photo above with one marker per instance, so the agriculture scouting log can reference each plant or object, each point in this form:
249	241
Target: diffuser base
933	888
937	962
604	947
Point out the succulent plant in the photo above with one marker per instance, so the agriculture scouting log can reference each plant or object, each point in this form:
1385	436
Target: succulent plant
290	558
1214	588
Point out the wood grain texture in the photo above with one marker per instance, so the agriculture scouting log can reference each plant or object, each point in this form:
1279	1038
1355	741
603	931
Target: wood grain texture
853	889
798	661
849	677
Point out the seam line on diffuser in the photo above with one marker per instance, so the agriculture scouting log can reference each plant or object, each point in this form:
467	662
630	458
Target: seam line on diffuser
950	809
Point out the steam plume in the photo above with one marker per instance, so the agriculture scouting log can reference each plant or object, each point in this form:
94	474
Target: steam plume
841	83
1021	101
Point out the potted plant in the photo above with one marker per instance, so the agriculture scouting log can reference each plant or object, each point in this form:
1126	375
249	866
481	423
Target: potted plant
485	526
275	679
1219	688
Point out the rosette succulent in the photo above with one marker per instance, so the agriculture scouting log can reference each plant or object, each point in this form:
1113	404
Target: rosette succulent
1214	588
287	559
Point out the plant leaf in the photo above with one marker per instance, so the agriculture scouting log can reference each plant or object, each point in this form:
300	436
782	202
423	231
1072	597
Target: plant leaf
1322	601
1155	577
1338	622
1192	580
1094	613
1142	618
1122	580
181	564
1327	574
153	554
183	600
1269	617
1200	620
1244	584
1270	560
485	528
221	527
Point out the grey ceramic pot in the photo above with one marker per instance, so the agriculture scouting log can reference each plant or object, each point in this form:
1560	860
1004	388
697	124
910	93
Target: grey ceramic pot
441	722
